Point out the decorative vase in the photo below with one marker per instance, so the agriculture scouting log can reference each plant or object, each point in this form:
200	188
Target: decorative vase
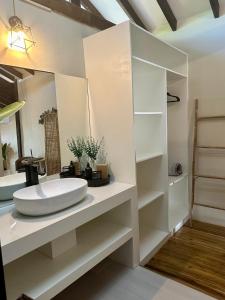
93	164
104	169
77	168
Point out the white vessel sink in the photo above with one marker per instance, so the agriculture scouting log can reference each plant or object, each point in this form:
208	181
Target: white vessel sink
11	183
50	197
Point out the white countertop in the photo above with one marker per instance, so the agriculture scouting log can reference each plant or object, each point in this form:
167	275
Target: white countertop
20	234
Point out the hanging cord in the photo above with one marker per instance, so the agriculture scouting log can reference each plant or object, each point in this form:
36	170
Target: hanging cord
14	7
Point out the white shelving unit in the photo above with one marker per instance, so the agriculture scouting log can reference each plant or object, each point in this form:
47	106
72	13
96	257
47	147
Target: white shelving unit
129	77
44	278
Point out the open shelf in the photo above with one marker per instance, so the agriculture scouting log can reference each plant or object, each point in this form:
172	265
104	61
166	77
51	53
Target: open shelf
144	157
146	197
148	86
150	240
148	132
150	179
174	76
153	223
150	48
40	277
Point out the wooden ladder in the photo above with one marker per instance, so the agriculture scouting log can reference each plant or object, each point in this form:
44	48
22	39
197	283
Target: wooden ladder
194	159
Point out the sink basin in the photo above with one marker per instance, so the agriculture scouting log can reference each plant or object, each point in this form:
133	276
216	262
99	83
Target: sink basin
11	183
50	197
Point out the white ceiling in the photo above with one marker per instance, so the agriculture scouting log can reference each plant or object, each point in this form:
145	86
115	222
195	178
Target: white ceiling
198	33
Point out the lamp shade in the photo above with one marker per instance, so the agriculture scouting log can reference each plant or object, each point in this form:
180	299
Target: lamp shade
10	109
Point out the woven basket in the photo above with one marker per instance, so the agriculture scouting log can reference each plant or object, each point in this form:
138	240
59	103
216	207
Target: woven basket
52	146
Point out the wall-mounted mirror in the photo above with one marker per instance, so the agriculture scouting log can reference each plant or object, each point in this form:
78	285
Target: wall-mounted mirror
56	109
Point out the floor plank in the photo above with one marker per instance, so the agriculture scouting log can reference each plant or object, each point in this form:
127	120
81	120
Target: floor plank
208	228
196	257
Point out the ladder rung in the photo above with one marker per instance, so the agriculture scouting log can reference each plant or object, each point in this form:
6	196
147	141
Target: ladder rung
209	206
209	177
210	147
211	118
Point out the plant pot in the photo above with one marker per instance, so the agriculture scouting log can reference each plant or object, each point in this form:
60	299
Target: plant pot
104	169
77	168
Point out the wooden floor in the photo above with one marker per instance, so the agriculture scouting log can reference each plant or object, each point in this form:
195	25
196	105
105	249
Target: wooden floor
196	257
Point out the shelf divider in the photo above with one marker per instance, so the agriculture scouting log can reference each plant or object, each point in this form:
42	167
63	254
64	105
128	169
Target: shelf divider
148	197
143	158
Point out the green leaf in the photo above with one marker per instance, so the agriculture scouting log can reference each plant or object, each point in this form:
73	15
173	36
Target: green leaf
10	109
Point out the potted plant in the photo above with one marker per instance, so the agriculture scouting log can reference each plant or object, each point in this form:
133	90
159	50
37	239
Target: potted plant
92	148
76	146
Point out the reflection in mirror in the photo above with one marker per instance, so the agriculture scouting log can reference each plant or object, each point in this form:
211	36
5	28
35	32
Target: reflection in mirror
56	109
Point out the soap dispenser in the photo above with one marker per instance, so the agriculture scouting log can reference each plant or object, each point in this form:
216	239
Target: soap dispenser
72	168
88	172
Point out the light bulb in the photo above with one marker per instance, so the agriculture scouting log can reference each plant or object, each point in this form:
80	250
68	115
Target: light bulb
16	40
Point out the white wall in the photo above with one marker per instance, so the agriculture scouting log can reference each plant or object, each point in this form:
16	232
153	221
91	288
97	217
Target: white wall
58	40
207	84
72	104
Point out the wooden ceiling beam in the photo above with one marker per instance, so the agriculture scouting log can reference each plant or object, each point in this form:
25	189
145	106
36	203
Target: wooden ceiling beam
32	72
7	75
131	12
77	2
12	71
76	13
90	7
168	13
215	8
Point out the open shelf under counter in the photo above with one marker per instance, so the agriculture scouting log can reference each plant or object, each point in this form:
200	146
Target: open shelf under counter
40	277
144	157
151	239
145	197
28	234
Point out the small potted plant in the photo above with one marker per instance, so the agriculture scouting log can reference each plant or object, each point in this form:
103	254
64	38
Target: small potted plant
92	148
76	146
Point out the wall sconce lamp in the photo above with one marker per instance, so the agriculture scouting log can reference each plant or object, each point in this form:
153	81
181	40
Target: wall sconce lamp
19	36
